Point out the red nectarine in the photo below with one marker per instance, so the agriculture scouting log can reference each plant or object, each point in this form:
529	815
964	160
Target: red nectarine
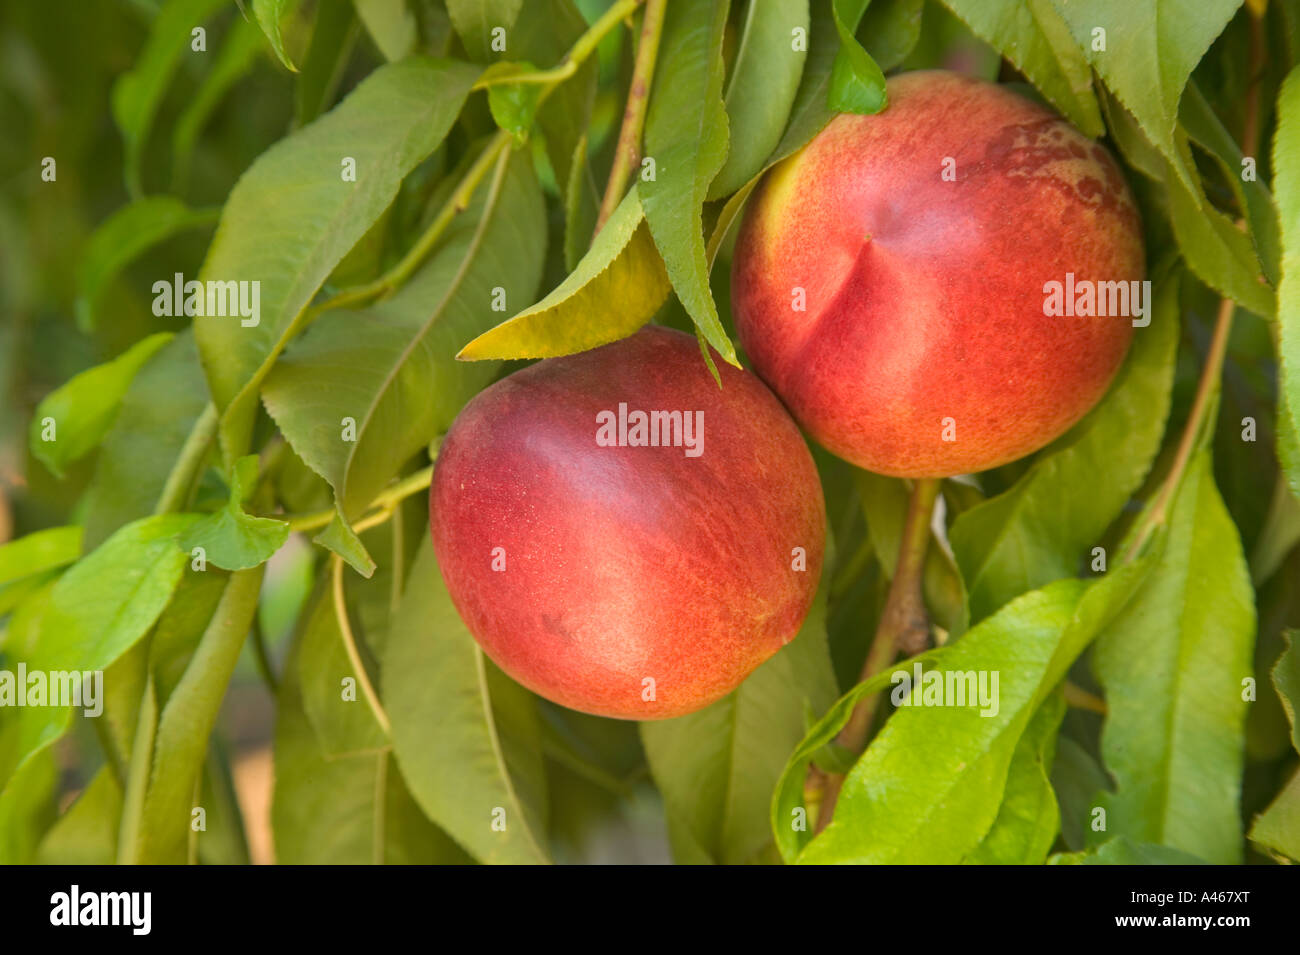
622	536
892	280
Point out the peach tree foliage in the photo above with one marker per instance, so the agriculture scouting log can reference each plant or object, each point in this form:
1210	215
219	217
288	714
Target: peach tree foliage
419	203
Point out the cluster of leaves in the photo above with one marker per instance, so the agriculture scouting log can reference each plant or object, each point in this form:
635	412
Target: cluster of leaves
482	134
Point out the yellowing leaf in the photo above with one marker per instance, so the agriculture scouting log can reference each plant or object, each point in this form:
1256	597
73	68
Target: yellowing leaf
616	288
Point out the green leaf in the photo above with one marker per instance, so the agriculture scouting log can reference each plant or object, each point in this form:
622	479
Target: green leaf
931	783
122	237
884	504
1286	678
239	50
1288	435
400	383
26	731
185	724
1221	255
329	810
811	110
291	218
111	597
543	34
224	841
343	726
790	821
391	24
1206	130
270	14
1029	819
513	105
333	36
79	414
1124	851
1078	780
177	634
622	266
137	93
450	706
1150	49
857	85
158	413
92	615
1133	144
686	136
1172	666
13	595
87	833
889	30
1046	524
38	552
761	87
475	20
581	208
231	539
1286	183
1037	41
27	808
1278	827
339	537
716	768
889	34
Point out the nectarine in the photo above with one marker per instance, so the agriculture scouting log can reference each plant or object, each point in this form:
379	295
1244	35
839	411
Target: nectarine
622	536
893	281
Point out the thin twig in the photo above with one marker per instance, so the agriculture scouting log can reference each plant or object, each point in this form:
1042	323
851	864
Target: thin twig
384	501
1155	515
627	154
1081	699
903	626
263	657
350	645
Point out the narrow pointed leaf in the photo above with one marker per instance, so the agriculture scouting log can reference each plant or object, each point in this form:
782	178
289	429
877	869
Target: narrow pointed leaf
292	217
622	266
1172	667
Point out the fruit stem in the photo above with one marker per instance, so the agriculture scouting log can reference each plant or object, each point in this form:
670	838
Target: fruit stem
903	626
628	152
350	645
